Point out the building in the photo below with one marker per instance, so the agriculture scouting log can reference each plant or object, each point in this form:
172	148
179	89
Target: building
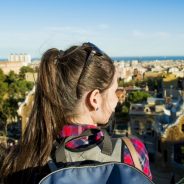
143	125
20	57
172	145
15	62
170	81
149	75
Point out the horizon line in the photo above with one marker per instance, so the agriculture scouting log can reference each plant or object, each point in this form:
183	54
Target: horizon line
36	57
146	56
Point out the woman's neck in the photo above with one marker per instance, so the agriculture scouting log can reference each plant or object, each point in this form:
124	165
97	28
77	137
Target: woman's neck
81	120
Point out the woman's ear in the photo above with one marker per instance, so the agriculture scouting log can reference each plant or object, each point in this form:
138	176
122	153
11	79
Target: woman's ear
94	99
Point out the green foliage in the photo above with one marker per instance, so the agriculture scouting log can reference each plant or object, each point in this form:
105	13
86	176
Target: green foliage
19	88
122	110
3	89
121	82
2	76
125	109
130	83
138	96
141	83
10	107
24	70
11	77
154	83
138	83
13	89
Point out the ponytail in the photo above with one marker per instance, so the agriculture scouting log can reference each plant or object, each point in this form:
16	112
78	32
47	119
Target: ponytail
46	119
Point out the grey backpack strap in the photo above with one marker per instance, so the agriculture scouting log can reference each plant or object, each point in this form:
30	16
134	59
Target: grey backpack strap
52	165
105	146
60	152
133	152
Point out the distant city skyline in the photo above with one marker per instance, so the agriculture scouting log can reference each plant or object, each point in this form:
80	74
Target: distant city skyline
120	28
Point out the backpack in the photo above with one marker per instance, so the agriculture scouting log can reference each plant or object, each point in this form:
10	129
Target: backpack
99	163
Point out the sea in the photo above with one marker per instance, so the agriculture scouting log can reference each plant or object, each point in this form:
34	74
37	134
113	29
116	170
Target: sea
148	58
131	58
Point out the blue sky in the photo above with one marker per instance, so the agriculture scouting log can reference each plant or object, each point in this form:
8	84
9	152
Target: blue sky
119	27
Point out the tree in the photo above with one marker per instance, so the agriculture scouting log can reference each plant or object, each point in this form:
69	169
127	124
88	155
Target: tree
155	83
3	88
125	109
138	96
10	107
13	89
126	84
121	82
11	77
20	88
24	70
3	92
2	75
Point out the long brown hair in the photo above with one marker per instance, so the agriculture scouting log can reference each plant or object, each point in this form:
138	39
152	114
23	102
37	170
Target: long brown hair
56	98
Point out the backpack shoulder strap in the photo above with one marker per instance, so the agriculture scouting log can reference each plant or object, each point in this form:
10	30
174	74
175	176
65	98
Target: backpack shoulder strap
105	146
133	152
